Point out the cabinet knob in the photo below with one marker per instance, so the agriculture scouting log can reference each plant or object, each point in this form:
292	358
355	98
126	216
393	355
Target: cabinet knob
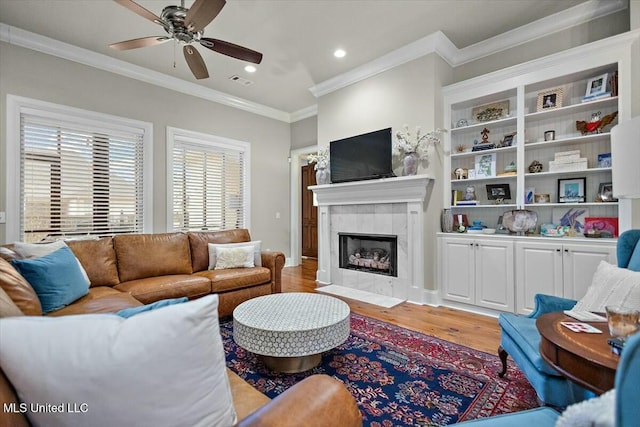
557	250
477	245
566	251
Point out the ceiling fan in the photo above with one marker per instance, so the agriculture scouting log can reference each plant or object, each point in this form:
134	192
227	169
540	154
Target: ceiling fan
186	27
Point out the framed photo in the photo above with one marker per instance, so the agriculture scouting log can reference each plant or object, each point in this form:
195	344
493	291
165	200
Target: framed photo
508	139
572	190
550	99
498	191
597	85
541	198
486	165
600	227
604	160
605	192
495	111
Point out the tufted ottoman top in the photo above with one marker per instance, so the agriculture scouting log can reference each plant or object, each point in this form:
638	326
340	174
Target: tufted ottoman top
291	324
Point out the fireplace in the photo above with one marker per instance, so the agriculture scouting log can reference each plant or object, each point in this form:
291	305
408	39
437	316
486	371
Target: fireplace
369	253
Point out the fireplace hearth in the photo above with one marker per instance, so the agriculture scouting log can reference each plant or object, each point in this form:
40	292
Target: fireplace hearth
369	253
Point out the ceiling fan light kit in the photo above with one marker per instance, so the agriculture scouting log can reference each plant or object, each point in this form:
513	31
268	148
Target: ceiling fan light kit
186	27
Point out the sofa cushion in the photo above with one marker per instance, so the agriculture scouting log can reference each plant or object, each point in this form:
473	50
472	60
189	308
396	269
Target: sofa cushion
149	255
159	368
257	252
634	261
36	250
128	312
153	289
611	285
231	279
57	278
523	331
8	308
100	299
98	259
19	290
199	240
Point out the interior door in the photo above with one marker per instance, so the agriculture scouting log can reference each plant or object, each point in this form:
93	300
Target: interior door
309	214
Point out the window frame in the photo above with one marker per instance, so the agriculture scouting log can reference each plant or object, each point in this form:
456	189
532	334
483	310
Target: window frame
17	105
199	138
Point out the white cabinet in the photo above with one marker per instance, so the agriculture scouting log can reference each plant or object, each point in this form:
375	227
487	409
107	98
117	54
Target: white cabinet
478	271
556	268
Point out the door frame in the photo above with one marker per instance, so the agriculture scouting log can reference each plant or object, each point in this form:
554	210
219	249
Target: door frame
297	158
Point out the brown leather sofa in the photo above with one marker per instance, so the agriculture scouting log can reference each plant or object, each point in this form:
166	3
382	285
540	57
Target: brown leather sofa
131	270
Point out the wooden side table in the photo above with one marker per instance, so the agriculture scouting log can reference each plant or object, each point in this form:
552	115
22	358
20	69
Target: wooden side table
583	358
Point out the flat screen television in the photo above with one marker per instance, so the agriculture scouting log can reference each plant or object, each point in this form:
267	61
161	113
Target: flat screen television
366	156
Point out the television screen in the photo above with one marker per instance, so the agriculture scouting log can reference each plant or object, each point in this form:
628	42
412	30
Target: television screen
360	157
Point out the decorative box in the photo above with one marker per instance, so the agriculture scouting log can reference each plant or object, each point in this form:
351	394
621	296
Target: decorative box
568	165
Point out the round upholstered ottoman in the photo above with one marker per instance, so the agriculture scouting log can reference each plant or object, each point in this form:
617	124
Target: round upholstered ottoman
290	331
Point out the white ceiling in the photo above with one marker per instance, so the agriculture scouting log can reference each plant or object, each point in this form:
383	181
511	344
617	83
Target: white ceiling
297	37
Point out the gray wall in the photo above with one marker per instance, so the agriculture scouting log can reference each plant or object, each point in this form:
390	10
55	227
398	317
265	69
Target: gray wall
408	94
35	75
304	133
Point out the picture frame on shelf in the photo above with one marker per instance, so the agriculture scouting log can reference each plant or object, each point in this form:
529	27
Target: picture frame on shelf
498	191
541	198
601	227
485	165
488	112
550	99
604	160
597	85
528	195
572	190
605	192
508	140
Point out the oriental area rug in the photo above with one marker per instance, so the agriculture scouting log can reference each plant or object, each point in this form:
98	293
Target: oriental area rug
401	377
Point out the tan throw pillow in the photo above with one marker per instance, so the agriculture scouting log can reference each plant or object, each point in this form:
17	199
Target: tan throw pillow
235	257
19	290
611	285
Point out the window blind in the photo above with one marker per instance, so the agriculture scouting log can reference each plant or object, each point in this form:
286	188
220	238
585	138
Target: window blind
208	185
79	177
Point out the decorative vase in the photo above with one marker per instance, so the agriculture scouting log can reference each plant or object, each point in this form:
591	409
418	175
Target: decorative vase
410	164
322	176
446	221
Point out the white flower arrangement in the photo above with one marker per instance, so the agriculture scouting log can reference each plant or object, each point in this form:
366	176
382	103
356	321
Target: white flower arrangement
405	144
321	158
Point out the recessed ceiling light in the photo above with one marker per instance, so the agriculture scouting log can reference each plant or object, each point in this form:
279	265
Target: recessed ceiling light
250	69
339	53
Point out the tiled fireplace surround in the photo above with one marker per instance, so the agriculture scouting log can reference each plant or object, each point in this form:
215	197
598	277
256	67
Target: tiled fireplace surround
393	206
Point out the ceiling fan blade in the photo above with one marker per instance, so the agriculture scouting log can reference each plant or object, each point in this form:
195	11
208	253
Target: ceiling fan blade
195	62
232	50
136	8
202	13
141	42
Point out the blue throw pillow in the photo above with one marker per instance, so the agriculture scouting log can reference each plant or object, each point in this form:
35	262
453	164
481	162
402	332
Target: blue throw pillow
634	262
128	312
56	278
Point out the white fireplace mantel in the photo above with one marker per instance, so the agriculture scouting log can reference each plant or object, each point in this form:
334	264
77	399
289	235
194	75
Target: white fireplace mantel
410	191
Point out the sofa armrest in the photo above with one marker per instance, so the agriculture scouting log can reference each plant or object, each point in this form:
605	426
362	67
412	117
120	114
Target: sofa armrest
274	261
318	400
549	303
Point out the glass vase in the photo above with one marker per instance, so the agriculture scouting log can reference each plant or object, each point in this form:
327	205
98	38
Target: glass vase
410	164
322	176
446	221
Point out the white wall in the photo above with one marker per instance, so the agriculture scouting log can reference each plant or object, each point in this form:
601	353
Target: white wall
35	75
304	133
403	95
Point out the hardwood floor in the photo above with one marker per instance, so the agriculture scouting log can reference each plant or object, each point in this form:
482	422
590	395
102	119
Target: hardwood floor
472	330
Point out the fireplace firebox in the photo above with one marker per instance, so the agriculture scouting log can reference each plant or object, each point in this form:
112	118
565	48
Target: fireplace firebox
375	253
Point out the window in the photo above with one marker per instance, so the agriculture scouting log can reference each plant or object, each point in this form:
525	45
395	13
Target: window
208	182
79	173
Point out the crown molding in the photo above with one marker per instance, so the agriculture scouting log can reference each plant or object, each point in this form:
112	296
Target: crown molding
440	44
304	113
37	42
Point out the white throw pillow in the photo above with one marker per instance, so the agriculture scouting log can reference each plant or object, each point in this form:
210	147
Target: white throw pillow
37	250
236	257
596	412
611	285
164	367
257	254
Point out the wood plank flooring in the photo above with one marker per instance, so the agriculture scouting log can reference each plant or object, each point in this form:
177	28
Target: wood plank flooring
472	330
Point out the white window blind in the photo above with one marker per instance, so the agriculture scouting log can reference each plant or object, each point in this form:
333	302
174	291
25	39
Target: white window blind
208	182
79	177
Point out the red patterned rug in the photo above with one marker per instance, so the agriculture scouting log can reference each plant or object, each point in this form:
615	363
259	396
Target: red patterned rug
400	377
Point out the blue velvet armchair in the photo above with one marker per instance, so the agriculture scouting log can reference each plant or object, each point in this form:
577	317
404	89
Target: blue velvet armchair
520	338
627	410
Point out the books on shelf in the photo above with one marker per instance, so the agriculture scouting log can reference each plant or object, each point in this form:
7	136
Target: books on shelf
596	97
466	203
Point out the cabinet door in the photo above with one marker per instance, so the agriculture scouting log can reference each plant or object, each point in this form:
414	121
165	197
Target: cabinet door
494	274
538	271
458	277
580	263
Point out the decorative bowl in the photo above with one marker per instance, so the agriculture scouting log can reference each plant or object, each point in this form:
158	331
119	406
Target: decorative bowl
520	220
